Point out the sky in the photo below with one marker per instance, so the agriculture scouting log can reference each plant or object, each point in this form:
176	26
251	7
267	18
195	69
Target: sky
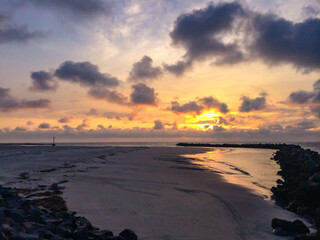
160	70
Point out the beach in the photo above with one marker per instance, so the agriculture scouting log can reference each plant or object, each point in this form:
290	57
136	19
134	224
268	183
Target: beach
154	191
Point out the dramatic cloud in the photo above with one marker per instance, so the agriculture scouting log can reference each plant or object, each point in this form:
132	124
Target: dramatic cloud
142	94
44	126
10	32
43	81
158	125
199	32
256	104
9	103
143	71
108	95
199	106
86	74
227	33
78	8
280	40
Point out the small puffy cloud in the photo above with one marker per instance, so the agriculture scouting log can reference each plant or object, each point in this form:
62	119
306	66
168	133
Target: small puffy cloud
82	126
255	104
44	126
144	95
310	99
43	81
9	103
20	129
108	95
199	105
210	102
143	71
158	125
177	68
301	97
65	119
85	74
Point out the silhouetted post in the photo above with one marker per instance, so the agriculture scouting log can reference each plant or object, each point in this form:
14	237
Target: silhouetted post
53	142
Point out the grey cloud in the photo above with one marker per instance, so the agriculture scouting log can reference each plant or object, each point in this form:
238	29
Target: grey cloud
65	120
255	104
210	102
199	32
10	32
309	99
20	129
82	126
304	97
306	124
158	125
77	8
267	37
177	68
86	74
199	106
301	97
108	95
142	94
143	70
280	40
43	81
44	126
110	115
191	106
8	102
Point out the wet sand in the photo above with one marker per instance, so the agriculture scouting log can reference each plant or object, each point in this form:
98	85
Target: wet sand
160	195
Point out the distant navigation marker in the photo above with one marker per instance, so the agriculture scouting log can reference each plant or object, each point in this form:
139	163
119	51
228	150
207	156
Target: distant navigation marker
53	142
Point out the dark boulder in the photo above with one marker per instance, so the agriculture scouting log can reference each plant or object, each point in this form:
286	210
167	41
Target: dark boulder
128	234
300	228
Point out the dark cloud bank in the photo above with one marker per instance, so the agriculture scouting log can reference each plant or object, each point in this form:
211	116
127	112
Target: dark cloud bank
257	36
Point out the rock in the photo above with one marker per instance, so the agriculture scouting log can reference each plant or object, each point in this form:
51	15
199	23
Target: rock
300	228
280	232
102	234
285	225
128	234
315	178
115	238
81	234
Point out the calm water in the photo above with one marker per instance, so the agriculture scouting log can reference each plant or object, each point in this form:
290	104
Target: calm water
250	168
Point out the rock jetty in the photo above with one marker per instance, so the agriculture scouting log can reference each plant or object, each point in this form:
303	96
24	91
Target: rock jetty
299	191
235	145
25	219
